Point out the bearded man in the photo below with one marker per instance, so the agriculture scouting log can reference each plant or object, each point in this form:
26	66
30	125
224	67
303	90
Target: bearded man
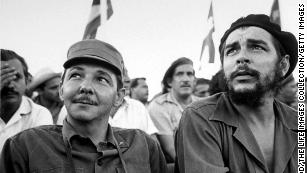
244	129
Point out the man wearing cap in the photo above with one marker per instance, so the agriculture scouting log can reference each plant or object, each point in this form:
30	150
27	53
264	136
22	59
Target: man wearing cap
244	129
17	112
166	110
91	85
46	84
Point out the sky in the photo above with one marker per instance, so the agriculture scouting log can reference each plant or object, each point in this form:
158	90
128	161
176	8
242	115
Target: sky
150	34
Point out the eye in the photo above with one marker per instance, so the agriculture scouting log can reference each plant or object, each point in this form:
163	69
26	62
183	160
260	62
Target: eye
230	51
102	80
257	47
74	76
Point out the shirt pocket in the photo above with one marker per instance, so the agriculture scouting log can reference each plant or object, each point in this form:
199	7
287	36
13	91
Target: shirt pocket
57	170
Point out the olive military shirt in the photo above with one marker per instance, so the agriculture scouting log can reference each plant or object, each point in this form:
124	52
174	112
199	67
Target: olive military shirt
213	137
43	149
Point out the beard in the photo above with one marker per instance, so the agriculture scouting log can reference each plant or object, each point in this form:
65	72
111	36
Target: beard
254	97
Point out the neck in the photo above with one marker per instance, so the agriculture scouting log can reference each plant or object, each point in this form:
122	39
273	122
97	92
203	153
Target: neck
8	110
182	100
95	129
263	114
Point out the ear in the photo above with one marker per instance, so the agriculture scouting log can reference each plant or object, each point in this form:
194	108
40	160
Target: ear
119	97
284	64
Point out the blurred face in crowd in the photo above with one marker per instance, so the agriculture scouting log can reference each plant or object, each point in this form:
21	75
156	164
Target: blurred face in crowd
50	90
89	92
201	90
140	92
183	80
288	92
13	92
251	64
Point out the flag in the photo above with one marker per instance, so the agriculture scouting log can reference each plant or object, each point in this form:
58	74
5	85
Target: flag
93	22
109	9
275	13
208	41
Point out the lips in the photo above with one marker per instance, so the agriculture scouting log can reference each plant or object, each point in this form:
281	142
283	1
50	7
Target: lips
85	100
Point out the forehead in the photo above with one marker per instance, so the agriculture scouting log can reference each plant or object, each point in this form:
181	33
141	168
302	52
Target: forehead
16	64
247	33
184	68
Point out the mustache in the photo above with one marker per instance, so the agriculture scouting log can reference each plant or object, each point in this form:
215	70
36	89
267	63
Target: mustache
186	85
84	100
8	91
244	70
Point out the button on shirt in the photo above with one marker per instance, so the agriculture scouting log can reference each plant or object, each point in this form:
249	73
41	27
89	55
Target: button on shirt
166	112
213	137
42	149
132	114
28	115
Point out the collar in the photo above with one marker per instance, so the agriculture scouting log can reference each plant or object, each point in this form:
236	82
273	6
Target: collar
224	107
68	132
25	107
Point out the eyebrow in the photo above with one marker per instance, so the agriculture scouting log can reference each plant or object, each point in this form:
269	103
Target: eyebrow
255	41
249	41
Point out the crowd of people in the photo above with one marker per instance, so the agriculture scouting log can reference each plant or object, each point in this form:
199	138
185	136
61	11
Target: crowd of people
93	118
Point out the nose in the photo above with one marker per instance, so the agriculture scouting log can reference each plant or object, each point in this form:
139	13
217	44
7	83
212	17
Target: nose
243	58
11	84
86	87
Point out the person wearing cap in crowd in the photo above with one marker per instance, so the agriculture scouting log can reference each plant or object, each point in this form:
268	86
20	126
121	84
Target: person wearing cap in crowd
139	90
166	109
287	92
90	86
201	88
244	129
17	112
46	83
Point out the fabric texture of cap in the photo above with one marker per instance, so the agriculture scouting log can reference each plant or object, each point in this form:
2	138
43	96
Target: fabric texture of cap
41	77
287	39
96	51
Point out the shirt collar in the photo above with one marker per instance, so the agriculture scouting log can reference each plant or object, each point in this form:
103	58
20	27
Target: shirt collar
25	107
68	132
225	107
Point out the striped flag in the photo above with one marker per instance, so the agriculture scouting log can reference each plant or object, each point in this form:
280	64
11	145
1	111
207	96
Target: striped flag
109	9
275	13
95	19
208	41
93	22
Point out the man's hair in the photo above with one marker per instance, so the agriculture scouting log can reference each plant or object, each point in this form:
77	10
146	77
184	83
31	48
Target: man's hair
168	76
135	82
7	55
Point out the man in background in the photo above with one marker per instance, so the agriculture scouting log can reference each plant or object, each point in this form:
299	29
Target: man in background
201	88
46	83
139	90
287	92
166	110
18	112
